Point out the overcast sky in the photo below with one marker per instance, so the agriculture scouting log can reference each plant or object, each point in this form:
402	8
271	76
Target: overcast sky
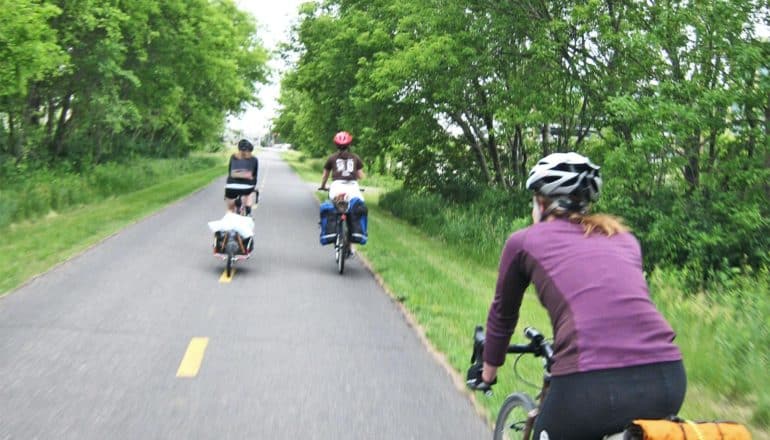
274	19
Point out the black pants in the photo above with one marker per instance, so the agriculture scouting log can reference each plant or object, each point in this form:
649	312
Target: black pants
231	193
596	403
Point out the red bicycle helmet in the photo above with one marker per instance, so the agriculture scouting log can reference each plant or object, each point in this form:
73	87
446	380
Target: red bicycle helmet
343	139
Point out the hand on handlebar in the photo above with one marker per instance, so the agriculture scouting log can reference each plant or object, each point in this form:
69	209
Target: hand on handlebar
475	382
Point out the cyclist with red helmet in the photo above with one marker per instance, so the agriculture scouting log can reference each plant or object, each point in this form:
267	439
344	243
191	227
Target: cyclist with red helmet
343	165
614	355
346	169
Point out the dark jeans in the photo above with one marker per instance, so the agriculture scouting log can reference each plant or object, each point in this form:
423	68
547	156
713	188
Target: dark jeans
596	403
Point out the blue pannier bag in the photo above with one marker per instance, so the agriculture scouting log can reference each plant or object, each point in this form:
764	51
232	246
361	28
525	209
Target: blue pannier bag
328	223
357	218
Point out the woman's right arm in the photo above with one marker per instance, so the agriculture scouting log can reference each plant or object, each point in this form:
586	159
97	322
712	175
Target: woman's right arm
503	314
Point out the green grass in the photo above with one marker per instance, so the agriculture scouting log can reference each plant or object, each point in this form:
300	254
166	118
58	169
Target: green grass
447	292
26	191
308	168
31	248
725	340
447	288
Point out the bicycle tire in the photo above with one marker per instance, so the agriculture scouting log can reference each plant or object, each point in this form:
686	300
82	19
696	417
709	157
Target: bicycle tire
342	240
231	249
519	406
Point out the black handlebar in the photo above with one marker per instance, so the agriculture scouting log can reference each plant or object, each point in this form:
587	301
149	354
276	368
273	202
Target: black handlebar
320	188
520	348
538	346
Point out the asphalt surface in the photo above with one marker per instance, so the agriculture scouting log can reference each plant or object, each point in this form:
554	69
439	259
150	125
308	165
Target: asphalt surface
92	349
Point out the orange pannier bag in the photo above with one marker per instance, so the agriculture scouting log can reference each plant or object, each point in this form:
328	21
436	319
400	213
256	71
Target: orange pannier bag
679	429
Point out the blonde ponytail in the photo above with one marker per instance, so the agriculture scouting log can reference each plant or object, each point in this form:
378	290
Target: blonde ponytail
608	225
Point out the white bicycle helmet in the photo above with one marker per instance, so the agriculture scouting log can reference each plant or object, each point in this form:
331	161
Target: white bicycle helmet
570	179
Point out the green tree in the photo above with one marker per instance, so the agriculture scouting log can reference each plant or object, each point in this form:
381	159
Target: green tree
99	79
30	53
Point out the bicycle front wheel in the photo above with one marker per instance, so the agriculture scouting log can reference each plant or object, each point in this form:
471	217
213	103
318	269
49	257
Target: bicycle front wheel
513	420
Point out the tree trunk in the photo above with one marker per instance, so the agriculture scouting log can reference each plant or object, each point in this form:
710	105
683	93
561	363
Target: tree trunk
712	142
32	110
519	156
492	148
767	121
14	138
473	142
767	149
692	167
51	115
583	126
751	118
491	140
58	138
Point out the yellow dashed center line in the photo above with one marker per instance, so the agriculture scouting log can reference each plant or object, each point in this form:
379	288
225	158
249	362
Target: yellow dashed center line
191	362
224	278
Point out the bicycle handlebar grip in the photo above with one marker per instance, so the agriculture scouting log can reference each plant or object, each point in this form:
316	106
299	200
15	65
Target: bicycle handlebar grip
478	344
532	333
478	334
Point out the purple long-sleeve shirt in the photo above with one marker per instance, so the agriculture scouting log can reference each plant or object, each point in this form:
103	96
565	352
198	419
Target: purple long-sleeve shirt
594	291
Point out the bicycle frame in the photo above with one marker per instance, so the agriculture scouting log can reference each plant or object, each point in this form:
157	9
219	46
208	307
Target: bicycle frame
543	349
538	347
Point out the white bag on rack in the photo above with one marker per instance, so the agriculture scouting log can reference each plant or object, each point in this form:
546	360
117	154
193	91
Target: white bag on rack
243	225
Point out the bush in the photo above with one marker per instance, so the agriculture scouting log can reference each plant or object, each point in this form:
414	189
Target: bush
481	223
722	332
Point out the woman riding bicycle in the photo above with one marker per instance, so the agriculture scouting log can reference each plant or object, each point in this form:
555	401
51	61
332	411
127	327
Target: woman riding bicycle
614	356
242	177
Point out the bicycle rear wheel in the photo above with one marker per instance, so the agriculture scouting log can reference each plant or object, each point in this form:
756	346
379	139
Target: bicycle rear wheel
231	248
513	418
342	246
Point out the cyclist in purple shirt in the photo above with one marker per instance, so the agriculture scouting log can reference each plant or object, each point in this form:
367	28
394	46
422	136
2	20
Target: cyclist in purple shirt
614	356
